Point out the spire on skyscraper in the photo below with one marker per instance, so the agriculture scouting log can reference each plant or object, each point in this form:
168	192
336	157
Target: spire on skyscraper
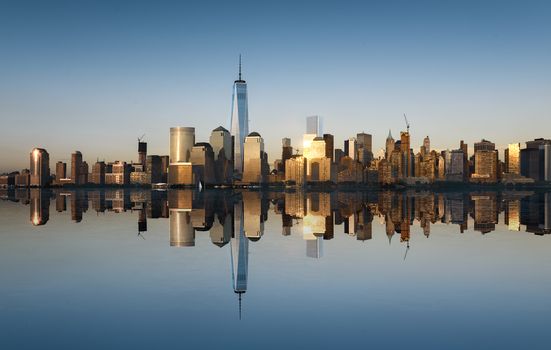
239	66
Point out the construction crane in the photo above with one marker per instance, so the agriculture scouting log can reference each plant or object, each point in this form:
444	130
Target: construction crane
141	138
407	123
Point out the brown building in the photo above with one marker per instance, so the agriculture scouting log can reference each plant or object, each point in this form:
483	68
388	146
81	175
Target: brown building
39	167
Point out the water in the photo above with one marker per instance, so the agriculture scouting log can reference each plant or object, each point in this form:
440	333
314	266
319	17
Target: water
93	269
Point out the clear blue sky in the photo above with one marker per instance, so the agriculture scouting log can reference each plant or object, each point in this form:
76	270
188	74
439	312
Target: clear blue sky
92	76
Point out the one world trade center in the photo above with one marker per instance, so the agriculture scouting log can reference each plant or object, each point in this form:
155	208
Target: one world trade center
239	120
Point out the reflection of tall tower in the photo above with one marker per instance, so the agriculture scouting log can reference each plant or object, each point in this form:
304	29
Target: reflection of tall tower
239	254
40	207
239	119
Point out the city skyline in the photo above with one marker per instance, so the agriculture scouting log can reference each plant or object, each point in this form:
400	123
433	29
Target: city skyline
366	66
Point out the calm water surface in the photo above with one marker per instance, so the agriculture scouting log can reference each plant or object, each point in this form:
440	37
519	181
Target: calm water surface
116	269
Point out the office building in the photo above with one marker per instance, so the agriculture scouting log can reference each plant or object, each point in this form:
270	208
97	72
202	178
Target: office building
76	167
154	169
142	152
295	170
485	162
182	140
98	173
389	145
202	160
221	142
39	167
329	146
535	160
119	175
406	154
314	125
239	120
60	171
255	165
512	159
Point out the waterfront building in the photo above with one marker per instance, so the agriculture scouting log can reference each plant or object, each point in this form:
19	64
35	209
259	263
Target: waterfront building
23	179
485	162
455	170
142	153
239	120
60	171
98	173
76	167
202	160
182	140
512	159
39	167
154	169
119	175
221	143
255	165
295	170
535	160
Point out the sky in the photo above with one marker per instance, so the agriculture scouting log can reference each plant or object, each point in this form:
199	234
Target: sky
93	76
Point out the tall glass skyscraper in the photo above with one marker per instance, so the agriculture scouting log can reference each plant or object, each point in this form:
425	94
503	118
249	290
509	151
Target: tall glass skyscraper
239	120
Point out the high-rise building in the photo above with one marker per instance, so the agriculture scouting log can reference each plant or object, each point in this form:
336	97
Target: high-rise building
314	125
239	120
98	173
465	148
119	175
295	170
406	154
60	171
202	160
76	167
351	148
39	167
512	159
154	169
221	142
142	152
182	140
364	141
255	160
535	160
426	145
83	174
286	151
389	145
485	162
329	146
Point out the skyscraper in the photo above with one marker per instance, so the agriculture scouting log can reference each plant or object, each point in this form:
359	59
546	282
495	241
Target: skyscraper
512	159
239	120
39	167
254	169
76	167
314	125
389	145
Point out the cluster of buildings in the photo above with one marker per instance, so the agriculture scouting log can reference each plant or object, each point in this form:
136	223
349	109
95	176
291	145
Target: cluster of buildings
237	157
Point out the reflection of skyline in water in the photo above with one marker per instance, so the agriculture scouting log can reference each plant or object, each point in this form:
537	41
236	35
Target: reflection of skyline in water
239	218
315	214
